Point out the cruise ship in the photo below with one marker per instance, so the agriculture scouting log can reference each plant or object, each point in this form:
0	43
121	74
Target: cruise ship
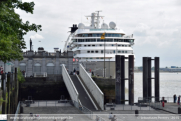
92	51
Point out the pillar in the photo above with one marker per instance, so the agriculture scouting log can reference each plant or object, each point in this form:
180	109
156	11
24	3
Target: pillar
145	77
157	79
149	79
131	79
118	79
122	79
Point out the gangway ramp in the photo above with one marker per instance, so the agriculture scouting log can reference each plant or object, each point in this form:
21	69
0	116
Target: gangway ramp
77	91
83	95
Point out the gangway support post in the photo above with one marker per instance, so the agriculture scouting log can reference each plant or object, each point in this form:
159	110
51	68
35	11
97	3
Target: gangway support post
122	79
157	79
149	79
145	77
131	79
118	79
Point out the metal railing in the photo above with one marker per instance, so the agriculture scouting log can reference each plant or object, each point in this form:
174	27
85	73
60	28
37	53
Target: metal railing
40	74
98	118
69	84
92	86
83	109
17	110
45	103
163	103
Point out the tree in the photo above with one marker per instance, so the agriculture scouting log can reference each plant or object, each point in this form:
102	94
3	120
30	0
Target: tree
12	29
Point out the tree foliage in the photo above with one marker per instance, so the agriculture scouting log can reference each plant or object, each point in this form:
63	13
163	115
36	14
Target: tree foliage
12	29
21	78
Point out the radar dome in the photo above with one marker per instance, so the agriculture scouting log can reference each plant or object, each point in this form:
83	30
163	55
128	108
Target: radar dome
81	26
112	25
104	26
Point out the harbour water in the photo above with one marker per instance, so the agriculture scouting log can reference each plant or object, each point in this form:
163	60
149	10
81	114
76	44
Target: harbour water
170	84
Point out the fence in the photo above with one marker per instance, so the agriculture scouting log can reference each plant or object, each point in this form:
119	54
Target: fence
45	103
40	74
140	106
157	103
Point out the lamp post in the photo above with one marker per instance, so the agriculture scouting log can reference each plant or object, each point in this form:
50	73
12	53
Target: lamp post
104	58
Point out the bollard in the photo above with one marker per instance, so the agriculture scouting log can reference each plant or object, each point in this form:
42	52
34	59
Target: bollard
136	113
179	110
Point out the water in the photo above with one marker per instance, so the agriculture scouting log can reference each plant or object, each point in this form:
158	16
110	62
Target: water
170	84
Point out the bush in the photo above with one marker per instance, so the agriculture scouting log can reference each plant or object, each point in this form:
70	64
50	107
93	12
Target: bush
21	78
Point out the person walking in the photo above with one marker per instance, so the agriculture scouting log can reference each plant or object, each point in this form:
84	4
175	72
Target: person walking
110	116
178	100
174	98
114	118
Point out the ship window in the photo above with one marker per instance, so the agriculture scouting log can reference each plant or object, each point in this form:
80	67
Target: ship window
109	35
122	45
125	45
85	35
93	40
87	40
93	45
98	40
112	45
101	51
120	35
90	58
80	35
119	45
100	45
125	51
89	45
131	40
89	35
122	51
92	51
101	58
114	51
129	45
97	58
94	35
96	51
119	51
115	40
85	45
88	51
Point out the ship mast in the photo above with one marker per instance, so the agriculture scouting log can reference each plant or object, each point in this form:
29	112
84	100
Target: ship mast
95	19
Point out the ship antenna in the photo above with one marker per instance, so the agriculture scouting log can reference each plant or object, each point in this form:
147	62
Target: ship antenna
98	18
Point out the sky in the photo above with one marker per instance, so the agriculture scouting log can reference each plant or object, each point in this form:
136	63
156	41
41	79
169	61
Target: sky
155	24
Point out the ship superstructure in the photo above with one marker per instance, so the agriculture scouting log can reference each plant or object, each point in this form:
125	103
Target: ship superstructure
87	45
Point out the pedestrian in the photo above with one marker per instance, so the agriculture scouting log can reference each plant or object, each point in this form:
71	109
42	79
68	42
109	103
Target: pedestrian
1	72
110	116
80	107
114	118
178	100
174	98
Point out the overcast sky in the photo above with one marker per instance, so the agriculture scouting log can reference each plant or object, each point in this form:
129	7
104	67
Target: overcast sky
155	24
